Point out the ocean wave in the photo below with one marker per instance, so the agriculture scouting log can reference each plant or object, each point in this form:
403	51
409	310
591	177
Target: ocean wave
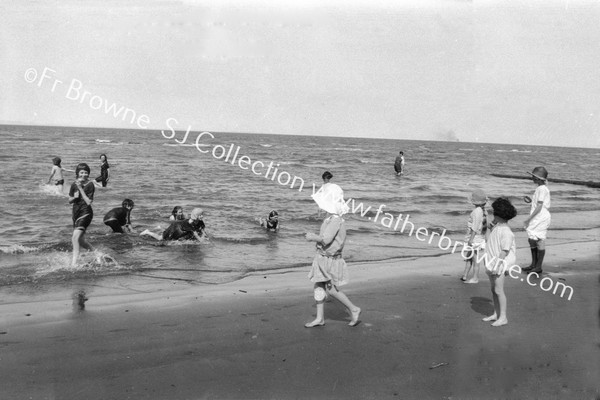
186	145
266	145
513	151
347	149
51	190
102	141
18	249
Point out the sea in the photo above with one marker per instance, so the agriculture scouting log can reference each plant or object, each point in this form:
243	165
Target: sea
228	175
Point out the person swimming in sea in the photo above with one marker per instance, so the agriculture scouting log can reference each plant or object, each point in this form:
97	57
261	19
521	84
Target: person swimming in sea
120	217
191	229
271	222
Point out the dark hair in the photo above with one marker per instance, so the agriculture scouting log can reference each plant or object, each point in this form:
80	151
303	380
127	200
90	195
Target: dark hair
273	213
82	166
175	209
504	209
105	158
402	152
327	175
127	203
56	161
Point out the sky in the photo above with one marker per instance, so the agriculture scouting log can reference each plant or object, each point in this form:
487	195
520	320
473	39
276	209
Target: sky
475	71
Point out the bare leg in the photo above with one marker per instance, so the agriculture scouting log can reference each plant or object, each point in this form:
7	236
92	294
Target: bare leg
152	234
320	319
84	243
494	316
342	298
500	297
475	277
468	265
76	246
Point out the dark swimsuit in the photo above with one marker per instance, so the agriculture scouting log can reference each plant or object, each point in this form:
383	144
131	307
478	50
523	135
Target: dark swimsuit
103	174
183	230
271	225
117	218
61	182
82	212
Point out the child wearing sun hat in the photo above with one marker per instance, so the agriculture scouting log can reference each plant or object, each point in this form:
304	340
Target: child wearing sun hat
475	237
539	220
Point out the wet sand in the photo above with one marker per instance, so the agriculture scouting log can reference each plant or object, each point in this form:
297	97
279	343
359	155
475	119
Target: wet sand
144	338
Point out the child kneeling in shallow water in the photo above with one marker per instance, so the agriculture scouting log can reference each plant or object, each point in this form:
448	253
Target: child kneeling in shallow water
191	229
329	270
500	256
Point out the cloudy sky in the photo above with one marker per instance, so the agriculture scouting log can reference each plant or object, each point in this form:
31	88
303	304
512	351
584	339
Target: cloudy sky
489	71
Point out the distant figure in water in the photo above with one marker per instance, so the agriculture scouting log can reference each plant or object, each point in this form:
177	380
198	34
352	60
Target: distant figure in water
104	175
57	174
120	217
399	164
81	195
191	229
271	222
177	214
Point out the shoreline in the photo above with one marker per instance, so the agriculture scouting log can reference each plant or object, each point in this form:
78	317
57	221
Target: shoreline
147	338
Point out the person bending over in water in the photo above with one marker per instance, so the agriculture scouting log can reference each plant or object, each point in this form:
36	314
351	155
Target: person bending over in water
271	222
120	217
81	195
191	229
177	214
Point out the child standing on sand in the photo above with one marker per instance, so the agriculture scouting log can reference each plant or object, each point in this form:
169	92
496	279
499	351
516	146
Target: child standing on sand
475	238
539	220
81	195
500	256
329	270
57	174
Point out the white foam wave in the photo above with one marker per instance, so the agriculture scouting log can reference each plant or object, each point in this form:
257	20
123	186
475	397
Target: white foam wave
51	190
17	249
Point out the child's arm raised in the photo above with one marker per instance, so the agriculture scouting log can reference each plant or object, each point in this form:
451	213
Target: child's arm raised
84	196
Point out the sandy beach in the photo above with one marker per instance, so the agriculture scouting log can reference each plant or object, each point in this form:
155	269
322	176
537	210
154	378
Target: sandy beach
420	336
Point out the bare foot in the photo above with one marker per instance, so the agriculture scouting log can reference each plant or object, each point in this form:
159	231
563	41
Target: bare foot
355	314
492	317
500	322
472	281
316	322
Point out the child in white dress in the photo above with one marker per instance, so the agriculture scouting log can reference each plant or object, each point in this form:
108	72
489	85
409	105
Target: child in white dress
500	256
539	220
